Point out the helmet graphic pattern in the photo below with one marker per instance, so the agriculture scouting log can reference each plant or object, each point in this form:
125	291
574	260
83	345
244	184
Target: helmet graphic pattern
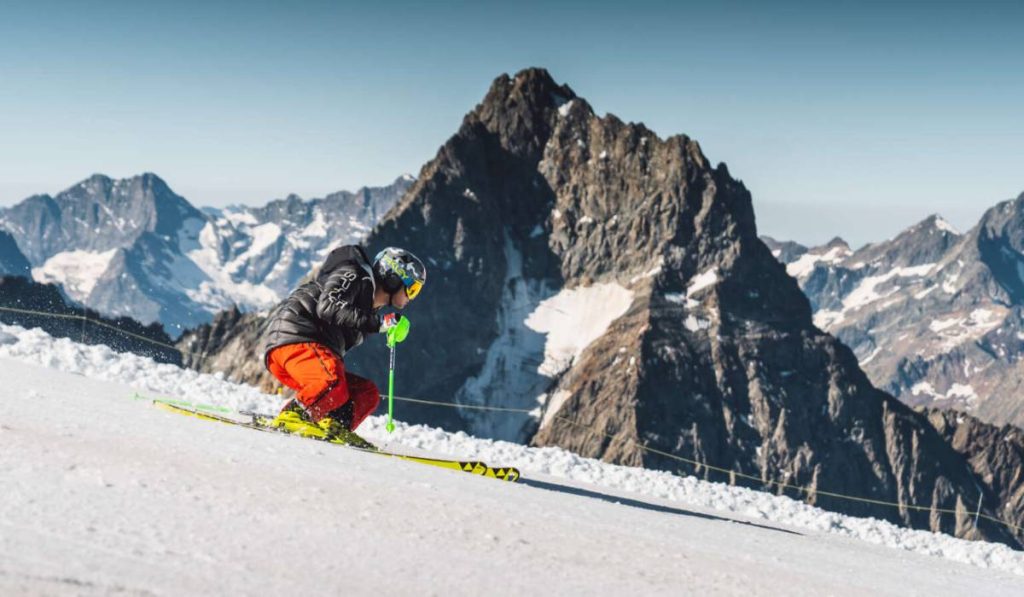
397	267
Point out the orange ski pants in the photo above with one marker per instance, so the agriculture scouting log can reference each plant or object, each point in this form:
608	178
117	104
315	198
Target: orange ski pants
319	379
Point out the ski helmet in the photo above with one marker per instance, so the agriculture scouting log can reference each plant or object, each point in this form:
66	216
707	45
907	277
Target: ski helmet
395	268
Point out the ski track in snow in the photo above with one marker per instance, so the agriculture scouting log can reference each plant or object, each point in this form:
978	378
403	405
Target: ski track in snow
161	380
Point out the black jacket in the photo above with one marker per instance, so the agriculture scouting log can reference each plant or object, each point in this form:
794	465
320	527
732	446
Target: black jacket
335	309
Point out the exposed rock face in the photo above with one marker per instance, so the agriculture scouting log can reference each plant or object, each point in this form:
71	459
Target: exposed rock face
996	454
97	214
785	251
227	345
935	317
121	334
12	261
613	282
133	247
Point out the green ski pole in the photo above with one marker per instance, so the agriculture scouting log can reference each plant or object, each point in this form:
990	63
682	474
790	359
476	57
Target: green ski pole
395	335
391	387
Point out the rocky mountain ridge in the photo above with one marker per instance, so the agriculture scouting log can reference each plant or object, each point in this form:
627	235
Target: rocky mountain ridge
995	454
934	316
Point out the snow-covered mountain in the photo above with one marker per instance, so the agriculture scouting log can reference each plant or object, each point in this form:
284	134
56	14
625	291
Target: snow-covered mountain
596	287
133	247
282	241
184	505
934	316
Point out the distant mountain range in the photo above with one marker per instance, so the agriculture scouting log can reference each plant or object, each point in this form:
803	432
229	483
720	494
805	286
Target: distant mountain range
135	248
597	287
934	316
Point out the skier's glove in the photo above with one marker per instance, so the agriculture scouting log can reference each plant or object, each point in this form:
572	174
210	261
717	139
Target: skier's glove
395	326
389	321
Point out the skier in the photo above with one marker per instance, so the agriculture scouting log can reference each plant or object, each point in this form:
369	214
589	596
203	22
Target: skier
306	338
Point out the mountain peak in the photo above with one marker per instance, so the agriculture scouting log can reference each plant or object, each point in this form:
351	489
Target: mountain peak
98	182
149	177
837	241
94	183
939	222
1004	215
522	102
541	80
149	180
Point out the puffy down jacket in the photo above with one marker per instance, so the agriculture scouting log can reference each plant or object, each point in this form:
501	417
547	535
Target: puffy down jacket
335	309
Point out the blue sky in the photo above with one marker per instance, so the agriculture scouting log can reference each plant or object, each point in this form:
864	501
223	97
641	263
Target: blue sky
844	118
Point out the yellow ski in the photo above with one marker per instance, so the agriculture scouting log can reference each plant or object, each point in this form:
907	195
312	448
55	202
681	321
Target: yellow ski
311	431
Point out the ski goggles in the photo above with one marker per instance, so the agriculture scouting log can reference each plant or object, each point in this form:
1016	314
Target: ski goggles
412	289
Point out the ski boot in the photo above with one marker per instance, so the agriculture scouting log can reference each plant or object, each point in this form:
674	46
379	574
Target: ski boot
294	419
337	427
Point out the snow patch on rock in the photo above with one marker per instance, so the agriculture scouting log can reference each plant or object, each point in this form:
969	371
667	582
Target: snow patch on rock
805	264
541	333
701	281
77	271
943	225
574	318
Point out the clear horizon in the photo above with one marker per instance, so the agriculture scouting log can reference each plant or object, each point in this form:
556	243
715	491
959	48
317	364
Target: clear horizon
849	120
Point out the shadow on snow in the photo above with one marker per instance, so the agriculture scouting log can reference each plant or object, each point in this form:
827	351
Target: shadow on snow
643	505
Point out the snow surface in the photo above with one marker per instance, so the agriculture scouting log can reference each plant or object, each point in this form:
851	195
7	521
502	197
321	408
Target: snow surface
956	330
240	217
574	318
701	281
925	292
509	378
806	263
867	293
963	393
77	271
317	228
654	271
264	236
220	290
942	224
949	285
540	334
696	324
106	494
871	357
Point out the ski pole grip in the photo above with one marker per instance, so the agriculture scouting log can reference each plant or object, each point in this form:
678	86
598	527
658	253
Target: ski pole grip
399	331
